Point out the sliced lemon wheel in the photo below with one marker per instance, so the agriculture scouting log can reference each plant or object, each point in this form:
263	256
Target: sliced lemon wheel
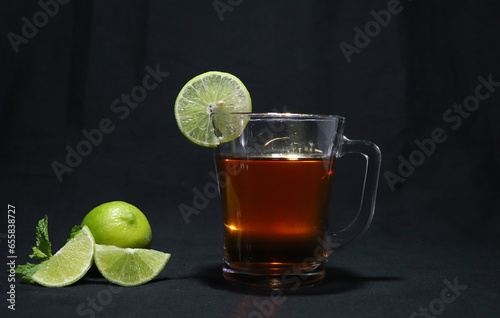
208	94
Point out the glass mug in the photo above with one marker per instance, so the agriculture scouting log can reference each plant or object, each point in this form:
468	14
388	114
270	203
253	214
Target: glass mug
275	181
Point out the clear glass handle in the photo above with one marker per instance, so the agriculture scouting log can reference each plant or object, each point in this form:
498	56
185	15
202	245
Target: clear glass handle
361	222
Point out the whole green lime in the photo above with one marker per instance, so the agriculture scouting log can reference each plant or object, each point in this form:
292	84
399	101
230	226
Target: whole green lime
120	224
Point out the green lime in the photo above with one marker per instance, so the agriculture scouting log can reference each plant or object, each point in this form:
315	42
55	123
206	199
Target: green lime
129	266
208	94
119	223
70	263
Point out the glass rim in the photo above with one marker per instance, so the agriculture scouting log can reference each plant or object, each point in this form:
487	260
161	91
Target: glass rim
271	115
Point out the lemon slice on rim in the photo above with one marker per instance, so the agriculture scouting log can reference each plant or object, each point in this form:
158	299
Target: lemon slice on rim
208	94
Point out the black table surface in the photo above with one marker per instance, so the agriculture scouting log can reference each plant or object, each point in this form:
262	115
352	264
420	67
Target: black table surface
404	267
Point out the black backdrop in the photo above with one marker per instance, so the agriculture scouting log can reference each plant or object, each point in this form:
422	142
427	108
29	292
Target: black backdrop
402	72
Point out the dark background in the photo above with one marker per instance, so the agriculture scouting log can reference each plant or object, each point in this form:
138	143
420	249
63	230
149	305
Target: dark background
440	224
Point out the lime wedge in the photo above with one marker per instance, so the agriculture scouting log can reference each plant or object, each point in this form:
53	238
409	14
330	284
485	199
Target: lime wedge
207	94
70	263
129	266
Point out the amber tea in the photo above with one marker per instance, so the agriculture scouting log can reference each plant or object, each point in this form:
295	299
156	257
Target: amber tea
274	211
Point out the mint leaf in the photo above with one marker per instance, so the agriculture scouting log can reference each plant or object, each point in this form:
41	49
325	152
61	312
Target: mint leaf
75	230
27	271
42	249
38	254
